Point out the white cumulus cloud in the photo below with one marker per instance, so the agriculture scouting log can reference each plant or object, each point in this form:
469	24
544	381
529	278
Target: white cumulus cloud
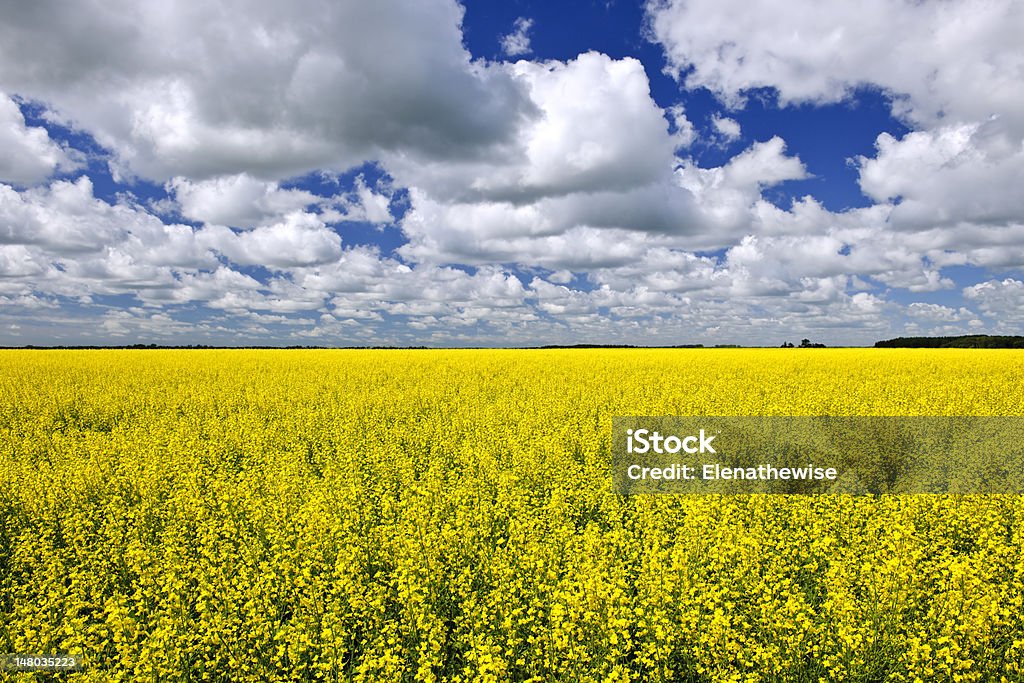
222	88
29	156
517	43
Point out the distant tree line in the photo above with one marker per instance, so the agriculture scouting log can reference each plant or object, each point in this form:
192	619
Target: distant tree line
804	344
970	341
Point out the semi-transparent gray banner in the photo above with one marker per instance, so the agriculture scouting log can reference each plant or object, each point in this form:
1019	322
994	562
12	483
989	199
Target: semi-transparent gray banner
859	455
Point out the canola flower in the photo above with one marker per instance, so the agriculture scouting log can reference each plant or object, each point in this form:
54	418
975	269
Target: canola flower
448	516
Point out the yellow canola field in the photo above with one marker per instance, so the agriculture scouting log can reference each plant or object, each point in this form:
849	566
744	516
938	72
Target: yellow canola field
448	515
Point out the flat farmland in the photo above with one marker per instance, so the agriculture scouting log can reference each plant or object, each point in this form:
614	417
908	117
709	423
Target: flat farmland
420	515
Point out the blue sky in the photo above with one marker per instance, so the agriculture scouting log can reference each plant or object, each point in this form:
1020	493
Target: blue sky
425	172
